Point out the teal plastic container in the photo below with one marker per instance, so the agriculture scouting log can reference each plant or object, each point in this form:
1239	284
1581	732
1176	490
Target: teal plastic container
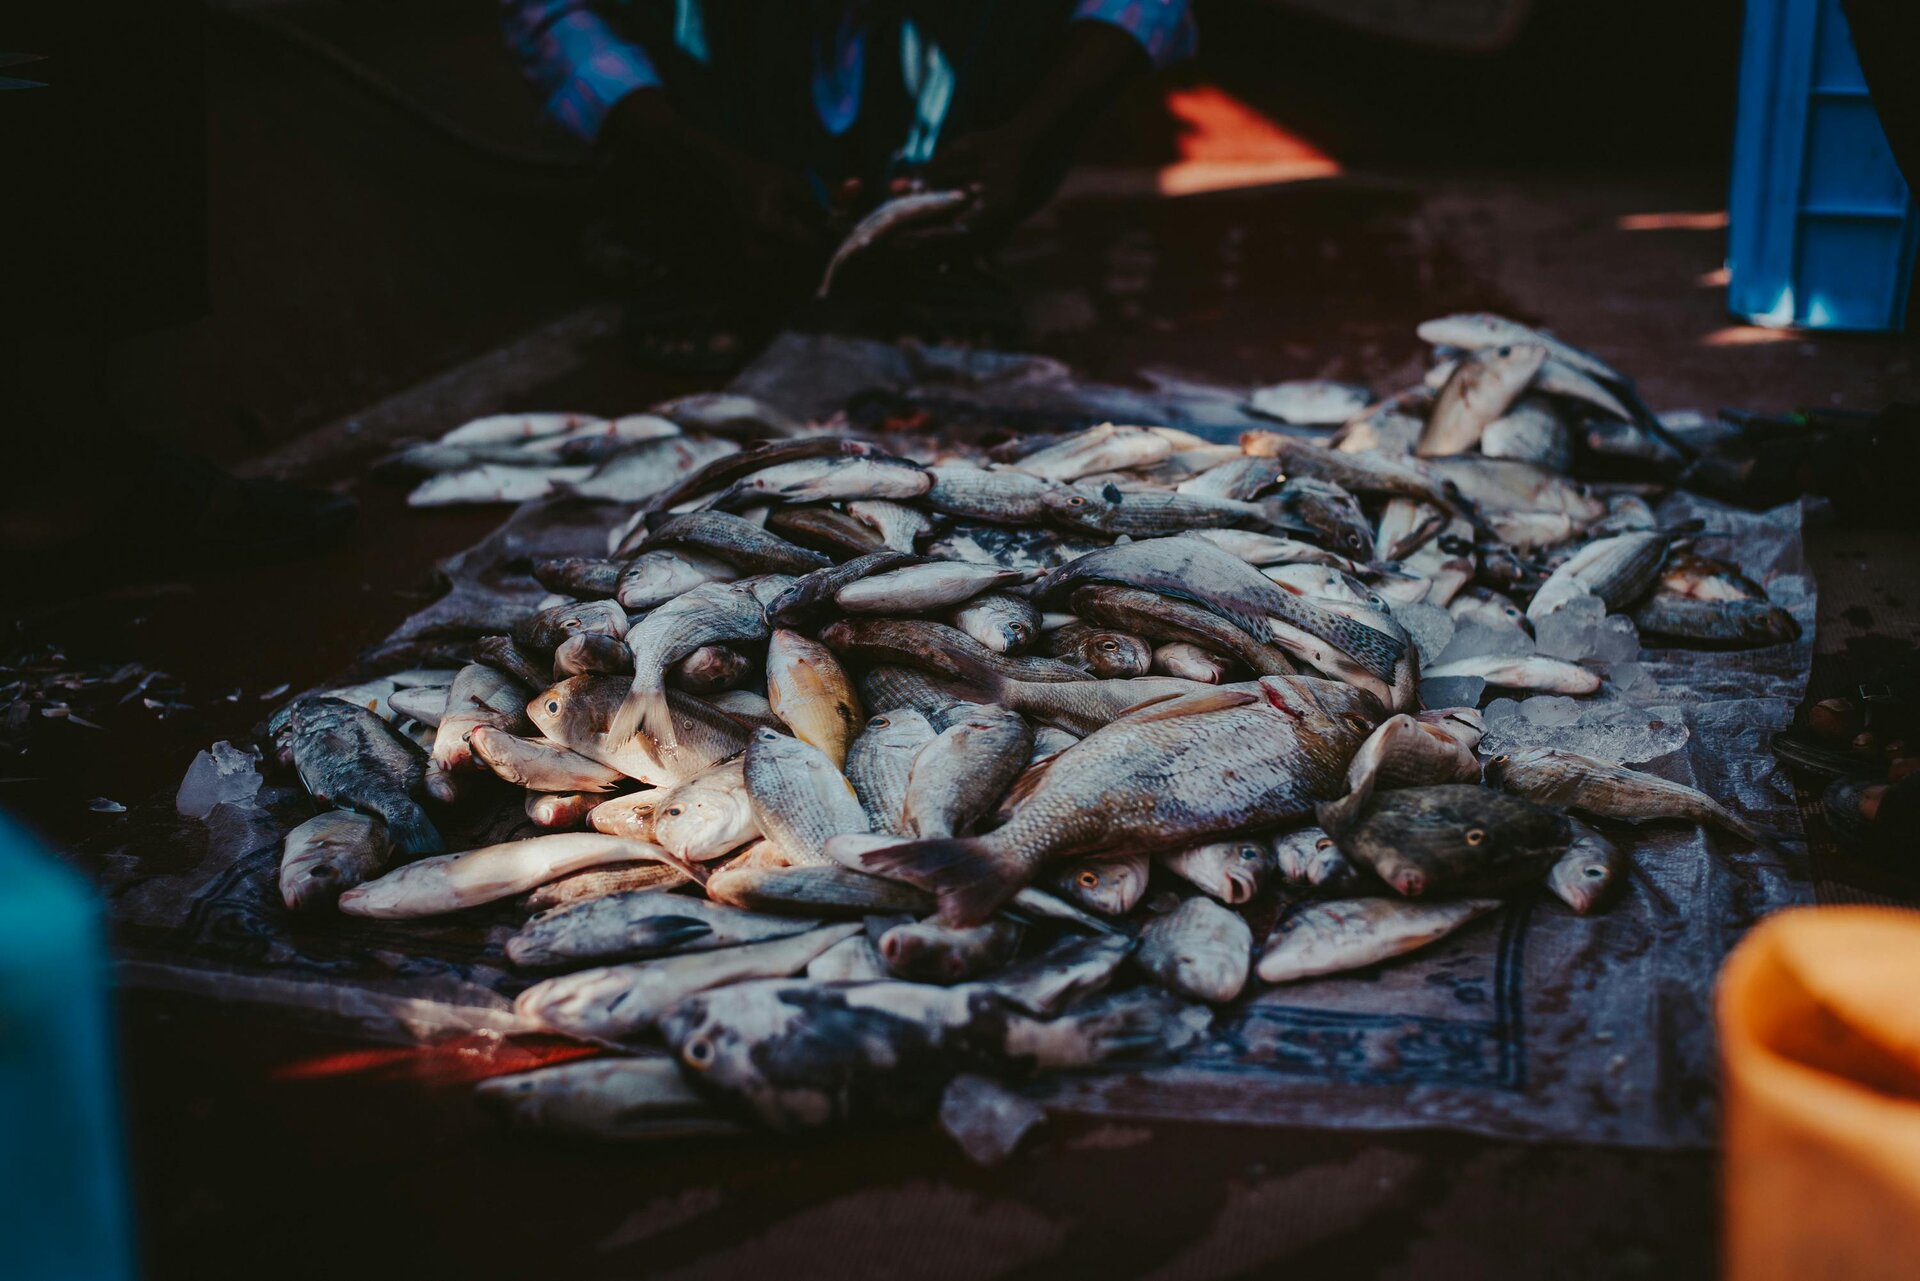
1821	226
63	1197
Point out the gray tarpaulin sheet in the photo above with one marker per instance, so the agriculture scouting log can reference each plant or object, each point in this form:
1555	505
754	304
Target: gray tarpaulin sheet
1531	1023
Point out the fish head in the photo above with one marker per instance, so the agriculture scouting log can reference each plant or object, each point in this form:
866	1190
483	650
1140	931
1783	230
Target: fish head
1115	655
1245	867
912	952
1464	725
714	667
1421	839
1083	506
696	822
1584	875
1109	886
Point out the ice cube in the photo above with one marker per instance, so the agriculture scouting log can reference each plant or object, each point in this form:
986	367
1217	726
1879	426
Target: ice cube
1549	710
1500	709
1452	691
1430	627
1618	641
1571	629
224	773
1633	681
1477	640
1608	729
986	1119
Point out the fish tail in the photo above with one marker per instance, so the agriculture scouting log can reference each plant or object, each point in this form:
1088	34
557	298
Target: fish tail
644	709
1717	813
412	832
970	875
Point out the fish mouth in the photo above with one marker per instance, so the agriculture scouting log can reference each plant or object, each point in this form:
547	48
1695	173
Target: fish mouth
1240	889
1411	882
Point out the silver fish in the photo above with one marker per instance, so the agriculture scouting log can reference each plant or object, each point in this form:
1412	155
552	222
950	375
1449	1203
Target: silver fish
452	882
577	713
955	778
1190	662
708	815
1004	624
614	1003
1103	448
1482	388
713	613
620	1099
1533	672
1533	432
1198	950
1552	777
1471	331
329	853
920	588
1348	934
480	695
653	578
828	479
1591	867
879	762
799	798
999	494
1310	402
899	525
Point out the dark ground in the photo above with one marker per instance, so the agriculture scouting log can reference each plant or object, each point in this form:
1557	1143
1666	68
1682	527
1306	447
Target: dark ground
355	255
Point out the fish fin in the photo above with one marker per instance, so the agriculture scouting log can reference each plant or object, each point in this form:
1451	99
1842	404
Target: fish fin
1336	818
970	876
412	832
663	933
1029	779
645	710
1166	707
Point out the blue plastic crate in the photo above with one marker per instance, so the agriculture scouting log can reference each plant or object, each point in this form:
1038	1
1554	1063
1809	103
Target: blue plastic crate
1822	228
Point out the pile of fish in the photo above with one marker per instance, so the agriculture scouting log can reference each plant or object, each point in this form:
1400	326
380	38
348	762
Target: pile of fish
864	772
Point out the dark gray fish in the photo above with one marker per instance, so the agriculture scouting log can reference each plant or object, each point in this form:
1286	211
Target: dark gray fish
548	628
640	923
810	598
503	655
882	685
828	891
1734	624
591	652
1108	653
936	648
736	541
1144	513
956	778
802	1055
830	479
349	758
1242	479
1003	496
928	952
1328	511
1456	840
1218	762
583	577
825	529
722	472
1166	620
1196	570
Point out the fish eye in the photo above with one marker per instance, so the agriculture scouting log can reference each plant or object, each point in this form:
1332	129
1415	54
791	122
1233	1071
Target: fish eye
1503	351
1595	873
321	872
1324	842
1475	835
698	1052
553	707
879	722
1088	880
1076	502
1353	540
1249	852
674	812
1109	646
